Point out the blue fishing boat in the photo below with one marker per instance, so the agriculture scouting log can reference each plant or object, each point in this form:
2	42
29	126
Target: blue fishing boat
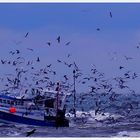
41	110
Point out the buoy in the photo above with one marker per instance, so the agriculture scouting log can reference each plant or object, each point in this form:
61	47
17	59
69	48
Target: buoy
12	110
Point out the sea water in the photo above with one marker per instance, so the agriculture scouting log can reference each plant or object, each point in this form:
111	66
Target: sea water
116	120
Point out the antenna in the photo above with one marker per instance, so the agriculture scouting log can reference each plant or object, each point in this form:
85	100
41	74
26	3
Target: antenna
74	94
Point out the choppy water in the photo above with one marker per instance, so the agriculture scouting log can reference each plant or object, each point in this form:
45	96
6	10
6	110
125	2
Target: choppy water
84	126
116	120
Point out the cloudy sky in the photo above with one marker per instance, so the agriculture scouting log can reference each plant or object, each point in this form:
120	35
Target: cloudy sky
118	37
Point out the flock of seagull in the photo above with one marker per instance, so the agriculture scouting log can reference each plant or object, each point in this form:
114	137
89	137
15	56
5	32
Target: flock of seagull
29	79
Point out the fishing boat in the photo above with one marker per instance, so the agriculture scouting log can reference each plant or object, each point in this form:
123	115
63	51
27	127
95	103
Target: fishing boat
41	110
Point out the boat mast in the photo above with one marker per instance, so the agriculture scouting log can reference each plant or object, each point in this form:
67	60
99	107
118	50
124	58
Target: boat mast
57	94
74	94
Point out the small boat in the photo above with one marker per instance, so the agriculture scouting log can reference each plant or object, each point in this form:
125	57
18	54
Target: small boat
41	110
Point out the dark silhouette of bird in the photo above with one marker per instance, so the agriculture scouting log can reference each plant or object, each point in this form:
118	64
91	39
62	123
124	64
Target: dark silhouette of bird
11	52
26	91
30	132
66	78
9	62
49	43
98	29
110	14
93	88
29	63
9	80
87	78
48	66
68	55
110	90
94	71
67	43
58	39
128	58
3	61
54	72
14	63
20	57
69	65
83	82
30	49
46	77
38	59
134	75
17	51
121	67
26	35
95	79
59	61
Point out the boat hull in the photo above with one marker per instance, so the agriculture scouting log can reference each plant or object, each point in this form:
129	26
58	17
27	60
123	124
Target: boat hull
12	118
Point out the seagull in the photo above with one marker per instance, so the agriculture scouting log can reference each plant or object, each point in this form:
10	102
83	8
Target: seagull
49	43
110	14
9	62
93	88
121	67
30	132
59	61
66	78
134	76
128	58
58	39
11	52
68	55
17	51
30	49
38	60
67	43
26	34
70	65
54	73
48	66
3	62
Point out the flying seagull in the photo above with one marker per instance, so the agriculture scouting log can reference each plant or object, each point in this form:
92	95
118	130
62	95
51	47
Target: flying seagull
69	55
128	58
59	61
67	43
49	43
26	34
38	60
30	49
110	14
121	67
17	51
58	39
30	132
